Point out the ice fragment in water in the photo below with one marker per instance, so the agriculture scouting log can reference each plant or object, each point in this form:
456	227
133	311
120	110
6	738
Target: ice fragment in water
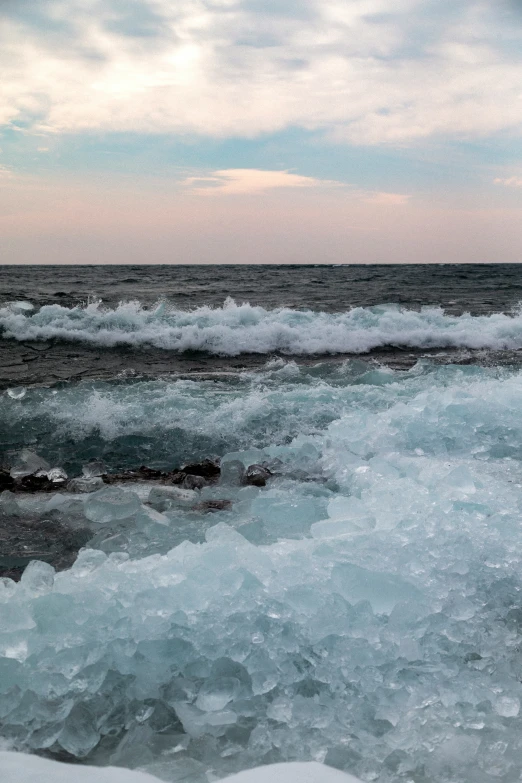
94	468
85	485
111	504
165	498
17	392
26	462
232	472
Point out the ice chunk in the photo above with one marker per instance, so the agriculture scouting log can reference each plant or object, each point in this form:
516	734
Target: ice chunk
94	469
382	590
8	504
288	515
347	515
216	694
246	457
165	498
232	472
85	485
110	504
38	577
57	475
507	706
461	481
79	735
26	462
337	528
151	515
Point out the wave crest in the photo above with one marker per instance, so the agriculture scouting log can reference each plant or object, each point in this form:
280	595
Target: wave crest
235	329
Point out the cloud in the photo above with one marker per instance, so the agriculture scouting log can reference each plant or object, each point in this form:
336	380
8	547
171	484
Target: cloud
364	71
509	182
247	181
242	182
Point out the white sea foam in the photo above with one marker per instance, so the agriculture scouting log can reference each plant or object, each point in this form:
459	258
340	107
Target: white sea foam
234	329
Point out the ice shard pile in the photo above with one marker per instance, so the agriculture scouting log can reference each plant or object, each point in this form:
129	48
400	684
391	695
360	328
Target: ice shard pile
362	609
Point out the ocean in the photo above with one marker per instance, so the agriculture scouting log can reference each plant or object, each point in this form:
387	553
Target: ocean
262	514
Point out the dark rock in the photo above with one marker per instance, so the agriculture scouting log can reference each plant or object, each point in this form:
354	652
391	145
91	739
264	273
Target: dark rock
211	506
143	473
34	483
6	480
150	473
472	657
176	477
193	476
208	469
257	475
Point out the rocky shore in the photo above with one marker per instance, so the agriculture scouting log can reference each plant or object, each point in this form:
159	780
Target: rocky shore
26	536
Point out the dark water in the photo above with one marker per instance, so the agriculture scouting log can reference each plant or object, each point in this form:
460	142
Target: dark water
481	288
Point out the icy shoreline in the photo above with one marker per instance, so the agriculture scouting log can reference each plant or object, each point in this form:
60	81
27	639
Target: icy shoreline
361	609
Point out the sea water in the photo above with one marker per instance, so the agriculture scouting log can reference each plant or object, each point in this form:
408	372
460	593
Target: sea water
363	609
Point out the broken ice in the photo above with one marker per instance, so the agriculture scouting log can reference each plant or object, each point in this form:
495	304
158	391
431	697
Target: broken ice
362	609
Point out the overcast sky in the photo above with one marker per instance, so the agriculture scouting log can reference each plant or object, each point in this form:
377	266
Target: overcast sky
250	131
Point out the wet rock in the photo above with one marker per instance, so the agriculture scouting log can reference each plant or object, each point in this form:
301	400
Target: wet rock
190	477
176	477
35	483
150	473
208	469
257	475
6	480
143	473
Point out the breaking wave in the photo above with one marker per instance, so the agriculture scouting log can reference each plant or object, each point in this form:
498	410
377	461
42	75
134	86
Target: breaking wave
235	329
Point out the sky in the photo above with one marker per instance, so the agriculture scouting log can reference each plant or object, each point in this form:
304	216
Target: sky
260	131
